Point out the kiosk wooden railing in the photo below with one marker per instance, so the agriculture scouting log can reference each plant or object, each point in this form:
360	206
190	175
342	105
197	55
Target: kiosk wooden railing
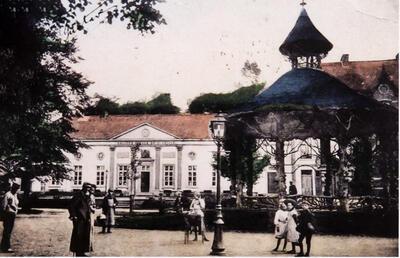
329	203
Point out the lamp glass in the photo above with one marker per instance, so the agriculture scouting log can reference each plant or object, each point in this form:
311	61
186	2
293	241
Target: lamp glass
218	129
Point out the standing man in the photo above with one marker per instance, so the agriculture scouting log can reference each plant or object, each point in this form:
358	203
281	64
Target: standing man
292	189
10	208
108	206
79	213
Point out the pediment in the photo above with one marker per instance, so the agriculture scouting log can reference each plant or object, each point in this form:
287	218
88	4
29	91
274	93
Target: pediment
145	132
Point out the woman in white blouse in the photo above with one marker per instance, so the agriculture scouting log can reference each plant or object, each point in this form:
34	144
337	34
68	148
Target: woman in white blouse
280	221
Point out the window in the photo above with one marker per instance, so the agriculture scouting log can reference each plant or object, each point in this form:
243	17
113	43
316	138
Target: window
214	178
272	183
192	175
168	175
77	175
100	175
123	175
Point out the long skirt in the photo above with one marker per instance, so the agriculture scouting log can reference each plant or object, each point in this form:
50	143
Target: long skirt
80	239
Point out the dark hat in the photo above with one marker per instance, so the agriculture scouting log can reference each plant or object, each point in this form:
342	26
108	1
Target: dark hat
288	200
15	185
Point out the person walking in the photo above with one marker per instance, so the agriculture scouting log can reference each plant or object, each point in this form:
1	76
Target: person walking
10	210
280	221
292	233
196	208
79	214
110	202
306	229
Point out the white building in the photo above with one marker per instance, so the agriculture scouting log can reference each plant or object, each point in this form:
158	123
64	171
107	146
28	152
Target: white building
176	153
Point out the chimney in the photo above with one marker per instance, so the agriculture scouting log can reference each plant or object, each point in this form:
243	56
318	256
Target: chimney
344	59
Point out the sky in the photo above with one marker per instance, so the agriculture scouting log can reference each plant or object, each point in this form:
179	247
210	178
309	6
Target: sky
205	44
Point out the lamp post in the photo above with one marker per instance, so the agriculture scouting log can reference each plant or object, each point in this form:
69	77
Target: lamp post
217	127
105	187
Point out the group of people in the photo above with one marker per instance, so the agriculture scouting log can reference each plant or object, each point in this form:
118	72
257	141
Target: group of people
196	209
293	226
82	214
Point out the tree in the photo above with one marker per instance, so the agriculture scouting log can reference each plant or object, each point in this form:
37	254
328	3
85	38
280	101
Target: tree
242	163
160	104
103	106
361	161
39	91
221	102
251	71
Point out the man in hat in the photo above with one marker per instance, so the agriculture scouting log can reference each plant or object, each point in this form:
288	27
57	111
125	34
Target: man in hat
79	213
108	206
10	209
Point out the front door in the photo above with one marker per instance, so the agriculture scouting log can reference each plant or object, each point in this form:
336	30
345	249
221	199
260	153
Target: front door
306	182
145	182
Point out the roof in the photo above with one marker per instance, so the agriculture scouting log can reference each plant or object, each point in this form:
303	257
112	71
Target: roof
311	88
305	39
363	76
184	126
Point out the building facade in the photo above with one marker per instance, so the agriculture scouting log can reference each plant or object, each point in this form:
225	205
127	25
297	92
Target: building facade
176	151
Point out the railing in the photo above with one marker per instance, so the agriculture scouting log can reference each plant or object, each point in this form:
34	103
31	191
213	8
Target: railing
328	203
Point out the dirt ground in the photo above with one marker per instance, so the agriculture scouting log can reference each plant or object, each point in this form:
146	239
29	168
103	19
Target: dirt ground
48	234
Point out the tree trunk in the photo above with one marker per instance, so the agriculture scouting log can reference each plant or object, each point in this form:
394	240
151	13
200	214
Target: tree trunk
326	160
26	187
280	167
239	194
342	190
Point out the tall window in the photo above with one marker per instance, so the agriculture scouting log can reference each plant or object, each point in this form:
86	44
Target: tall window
77	175
192	175
214	178
123	175
168	175
100	175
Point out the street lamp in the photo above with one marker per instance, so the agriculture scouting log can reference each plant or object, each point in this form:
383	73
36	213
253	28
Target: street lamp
217	127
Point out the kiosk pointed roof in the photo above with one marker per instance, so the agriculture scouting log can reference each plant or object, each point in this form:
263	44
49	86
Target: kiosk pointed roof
305	39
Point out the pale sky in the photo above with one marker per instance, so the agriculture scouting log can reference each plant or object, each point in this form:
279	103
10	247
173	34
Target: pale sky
206	42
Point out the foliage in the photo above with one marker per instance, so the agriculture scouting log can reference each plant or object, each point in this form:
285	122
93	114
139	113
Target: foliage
224	102
361	160
39	91
251	71
160	104
242	163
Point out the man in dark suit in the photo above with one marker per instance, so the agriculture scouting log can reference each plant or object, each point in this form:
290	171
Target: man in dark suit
79	213
292	189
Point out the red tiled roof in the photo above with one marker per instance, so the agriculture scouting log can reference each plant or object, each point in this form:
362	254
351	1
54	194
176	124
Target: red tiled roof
363	76
185	126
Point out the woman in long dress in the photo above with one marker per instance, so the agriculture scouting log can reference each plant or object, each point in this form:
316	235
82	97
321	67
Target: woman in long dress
280	221
292	233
